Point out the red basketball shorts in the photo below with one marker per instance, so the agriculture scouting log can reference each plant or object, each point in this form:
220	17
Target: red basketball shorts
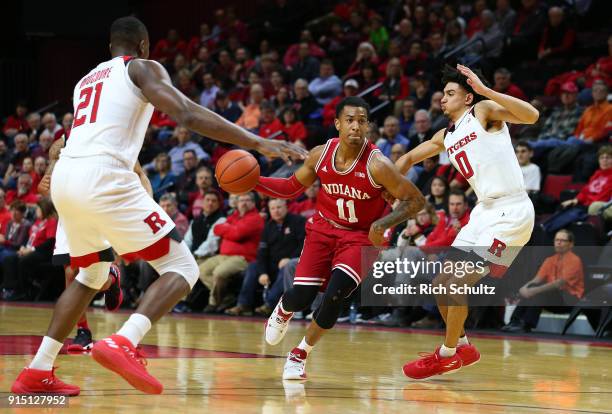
327	248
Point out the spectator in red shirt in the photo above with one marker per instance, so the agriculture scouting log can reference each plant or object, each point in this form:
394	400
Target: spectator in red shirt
5	214
270	125
203	40
17	122
558	38
240	236
204	183
170	205
365	54
450	224
24	191
475	23
503	84
293	128
166	49
67	120
21	269
40	166
351	87
598	191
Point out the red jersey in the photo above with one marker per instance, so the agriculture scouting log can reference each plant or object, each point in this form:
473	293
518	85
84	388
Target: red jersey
350	198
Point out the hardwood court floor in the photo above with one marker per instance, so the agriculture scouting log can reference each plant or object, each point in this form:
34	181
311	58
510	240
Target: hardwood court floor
211	365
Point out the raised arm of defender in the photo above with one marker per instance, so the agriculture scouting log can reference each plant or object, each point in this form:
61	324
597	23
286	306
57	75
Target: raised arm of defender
425	150
500	107
153	80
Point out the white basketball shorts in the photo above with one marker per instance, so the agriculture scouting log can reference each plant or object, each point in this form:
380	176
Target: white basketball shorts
498	229
101	203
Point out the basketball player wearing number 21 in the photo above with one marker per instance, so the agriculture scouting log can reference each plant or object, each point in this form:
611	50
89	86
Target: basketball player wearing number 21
478	145
102	204
348	217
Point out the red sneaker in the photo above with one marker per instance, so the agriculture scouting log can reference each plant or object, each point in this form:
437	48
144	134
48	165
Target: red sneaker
113	296
36	381
469	354
429	365
119	355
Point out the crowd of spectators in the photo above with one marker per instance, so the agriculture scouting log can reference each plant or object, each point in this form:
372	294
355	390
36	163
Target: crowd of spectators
288	89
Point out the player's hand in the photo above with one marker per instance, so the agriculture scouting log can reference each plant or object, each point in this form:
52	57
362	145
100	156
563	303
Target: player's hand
281	149
264	280
473	80
44	186
376	235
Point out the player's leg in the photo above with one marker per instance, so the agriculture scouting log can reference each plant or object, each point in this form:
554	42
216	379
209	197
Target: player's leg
83	341
340	287
312	272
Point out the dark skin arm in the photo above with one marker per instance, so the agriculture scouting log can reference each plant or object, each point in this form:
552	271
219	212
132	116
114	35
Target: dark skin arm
155	84
307	173
411	201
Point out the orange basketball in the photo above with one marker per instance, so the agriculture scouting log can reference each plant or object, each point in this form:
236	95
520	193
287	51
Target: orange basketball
237	172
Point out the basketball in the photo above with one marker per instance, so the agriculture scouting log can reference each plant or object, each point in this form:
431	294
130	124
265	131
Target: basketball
237	172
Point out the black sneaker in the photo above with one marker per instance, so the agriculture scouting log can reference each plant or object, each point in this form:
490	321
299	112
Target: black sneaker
113	296
82	342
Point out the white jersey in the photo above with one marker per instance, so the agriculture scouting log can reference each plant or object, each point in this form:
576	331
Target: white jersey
111	114
486	159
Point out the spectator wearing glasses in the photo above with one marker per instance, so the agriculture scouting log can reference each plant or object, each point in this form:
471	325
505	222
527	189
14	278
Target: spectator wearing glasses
557	286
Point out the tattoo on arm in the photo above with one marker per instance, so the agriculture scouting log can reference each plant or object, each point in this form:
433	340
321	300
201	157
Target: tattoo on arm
404	210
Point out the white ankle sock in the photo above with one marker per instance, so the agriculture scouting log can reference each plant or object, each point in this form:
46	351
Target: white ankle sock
447	352
135	328
46	354
304	345
463	340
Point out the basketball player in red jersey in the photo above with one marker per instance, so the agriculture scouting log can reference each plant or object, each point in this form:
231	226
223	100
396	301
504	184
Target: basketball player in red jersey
479	146
103	206
353	175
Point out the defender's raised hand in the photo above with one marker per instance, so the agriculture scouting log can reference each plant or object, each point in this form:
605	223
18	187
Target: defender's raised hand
281	149
473	80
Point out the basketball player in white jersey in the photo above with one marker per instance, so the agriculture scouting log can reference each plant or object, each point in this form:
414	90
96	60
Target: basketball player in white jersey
101	203
478	145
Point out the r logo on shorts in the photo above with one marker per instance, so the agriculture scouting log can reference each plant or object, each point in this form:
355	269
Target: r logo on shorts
497	247
156	223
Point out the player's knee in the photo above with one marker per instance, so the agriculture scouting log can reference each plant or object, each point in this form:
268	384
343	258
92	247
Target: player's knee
94	276
327	314
299	297
178	260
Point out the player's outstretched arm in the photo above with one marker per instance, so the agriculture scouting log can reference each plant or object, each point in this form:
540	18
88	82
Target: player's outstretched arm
295	185
425	150
153	80
411	201
501	107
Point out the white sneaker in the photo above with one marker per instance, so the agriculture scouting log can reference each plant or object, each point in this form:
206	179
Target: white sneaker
295	367
277	324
